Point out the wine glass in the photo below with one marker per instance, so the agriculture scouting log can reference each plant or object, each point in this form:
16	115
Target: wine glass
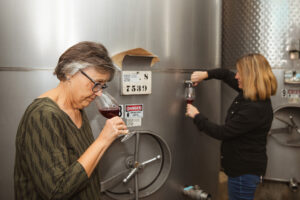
110	108
189	92
107	105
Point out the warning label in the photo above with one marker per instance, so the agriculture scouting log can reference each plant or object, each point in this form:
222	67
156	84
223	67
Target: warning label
133	111
133	122
130	108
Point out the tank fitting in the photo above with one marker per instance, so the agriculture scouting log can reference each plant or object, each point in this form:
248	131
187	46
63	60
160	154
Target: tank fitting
195	192
293	184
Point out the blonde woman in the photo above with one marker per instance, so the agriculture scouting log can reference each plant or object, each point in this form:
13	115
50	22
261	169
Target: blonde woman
248	120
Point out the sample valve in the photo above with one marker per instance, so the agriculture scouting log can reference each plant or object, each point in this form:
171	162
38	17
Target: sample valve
293	184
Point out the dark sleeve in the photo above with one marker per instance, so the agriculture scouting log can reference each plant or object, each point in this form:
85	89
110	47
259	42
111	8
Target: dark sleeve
224	75
47	158
240	123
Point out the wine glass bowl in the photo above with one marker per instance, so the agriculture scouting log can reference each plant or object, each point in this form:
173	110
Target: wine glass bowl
107	105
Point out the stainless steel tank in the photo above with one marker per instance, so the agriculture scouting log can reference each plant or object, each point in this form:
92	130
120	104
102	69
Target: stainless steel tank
185	35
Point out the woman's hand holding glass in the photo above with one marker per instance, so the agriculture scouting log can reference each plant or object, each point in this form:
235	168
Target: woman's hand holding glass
191	111
110	109
113	128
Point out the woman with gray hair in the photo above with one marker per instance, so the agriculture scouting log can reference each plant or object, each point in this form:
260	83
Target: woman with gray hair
56	153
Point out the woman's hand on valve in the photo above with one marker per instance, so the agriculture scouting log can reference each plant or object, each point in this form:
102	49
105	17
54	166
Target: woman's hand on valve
198	76
191	111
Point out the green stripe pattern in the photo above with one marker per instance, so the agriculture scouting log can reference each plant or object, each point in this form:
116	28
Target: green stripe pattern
48	145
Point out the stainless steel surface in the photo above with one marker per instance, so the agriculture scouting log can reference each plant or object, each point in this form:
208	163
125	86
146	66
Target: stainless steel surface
25	69
259	26
278	152
183	34
283	131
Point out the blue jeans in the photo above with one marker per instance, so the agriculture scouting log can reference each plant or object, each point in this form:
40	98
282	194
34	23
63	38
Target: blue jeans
242	187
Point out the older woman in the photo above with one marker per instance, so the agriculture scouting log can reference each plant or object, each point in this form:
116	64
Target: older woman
249	118
56	154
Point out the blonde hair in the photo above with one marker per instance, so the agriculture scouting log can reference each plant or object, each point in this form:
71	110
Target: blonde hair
258	80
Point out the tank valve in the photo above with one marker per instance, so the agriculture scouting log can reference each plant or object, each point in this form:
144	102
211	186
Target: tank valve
293	184
195	192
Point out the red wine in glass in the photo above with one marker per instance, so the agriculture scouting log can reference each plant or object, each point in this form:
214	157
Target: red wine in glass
107	105
110	112
189	101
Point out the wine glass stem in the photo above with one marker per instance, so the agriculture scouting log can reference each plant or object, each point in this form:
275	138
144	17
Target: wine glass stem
128	136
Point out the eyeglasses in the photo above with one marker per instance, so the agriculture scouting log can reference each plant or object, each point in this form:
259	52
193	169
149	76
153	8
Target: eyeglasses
97	86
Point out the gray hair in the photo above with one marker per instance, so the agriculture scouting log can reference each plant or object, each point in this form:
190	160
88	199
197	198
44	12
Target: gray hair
83	55
73	68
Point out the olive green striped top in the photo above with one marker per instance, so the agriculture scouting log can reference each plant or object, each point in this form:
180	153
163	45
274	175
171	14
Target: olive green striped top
48	145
